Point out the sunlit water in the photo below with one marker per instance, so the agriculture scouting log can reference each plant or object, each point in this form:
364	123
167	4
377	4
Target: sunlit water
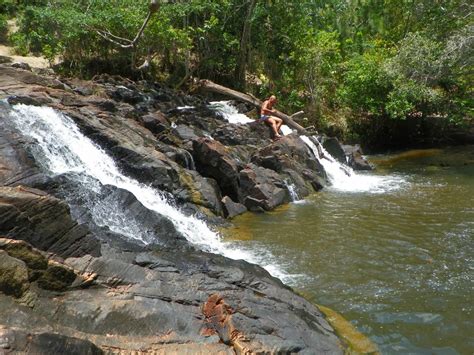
395	259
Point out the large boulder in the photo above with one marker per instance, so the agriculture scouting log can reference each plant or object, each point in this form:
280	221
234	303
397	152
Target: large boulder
231	208
350	155
355	159
334	147
296	164
199	190
184	302
261	188
213	159
44	221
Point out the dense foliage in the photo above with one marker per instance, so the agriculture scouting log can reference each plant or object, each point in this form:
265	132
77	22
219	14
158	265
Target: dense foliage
366	67
3	28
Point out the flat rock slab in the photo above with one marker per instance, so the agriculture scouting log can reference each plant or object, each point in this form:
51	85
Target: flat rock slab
161	302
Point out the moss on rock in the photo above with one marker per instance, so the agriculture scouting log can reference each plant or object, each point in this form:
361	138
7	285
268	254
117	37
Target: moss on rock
56	278
13	275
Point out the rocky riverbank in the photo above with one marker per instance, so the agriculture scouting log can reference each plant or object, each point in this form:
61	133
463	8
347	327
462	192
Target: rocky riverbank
69	285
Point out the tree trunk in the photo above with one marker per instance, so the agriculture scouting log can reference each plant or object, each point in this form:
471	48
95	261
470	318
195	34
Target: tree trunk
210	86
241	68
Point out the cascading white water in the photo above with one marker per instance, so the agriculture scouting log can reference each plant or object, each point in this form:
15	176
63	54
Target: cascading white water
292	191
61	148
66	150
341	177
230	113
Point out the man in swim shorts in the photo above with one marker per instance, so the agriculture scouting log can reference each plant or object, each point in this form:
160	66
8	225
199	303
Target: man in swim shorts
266	116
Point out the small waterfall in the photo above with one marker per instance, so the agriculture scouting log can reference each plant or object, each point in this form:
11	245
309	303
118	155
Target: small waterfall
229	112
292	191
62	149
189	160
343	178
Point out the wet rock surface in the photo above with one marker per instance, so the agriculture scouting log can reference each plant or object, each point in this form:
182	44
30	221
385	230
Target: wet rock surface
355	159
163	138
351	155
68	285
150	300
43	221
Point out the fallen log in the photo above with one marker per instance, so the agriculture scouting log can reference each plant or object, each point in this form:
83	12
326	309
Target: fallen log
210	86
297	115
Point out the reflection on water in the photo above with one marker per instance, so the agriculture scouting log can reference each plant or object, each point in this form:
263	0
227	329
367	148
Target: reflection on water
398	264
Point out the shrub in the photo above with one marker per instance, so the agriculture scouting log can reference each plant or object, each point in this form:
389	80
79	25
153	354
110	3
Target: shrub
3	28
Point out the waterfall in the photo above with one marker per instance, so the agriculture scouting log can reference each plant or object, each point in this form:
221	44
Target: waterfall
65	150
61	148
292	191
229	112
343	178
189	160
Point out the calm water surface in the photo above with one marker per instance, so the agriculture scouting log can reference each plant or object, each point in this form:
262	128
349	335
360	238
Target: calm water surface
397	261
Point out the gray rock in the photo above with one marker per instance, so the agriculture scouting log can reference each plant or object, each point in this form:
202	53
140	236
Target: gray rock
156	122
231	208
186	133
126	94
261	186
292	159
43	221
355	158
14	340
147	301
21	65
213	160
334	148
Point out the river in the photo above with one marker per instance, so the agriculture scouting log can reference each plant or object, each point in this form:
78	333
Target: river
391	250
395	258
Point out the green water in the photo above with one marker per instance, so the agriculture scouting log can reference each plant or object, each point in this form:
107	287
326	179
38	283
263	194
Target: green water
397	263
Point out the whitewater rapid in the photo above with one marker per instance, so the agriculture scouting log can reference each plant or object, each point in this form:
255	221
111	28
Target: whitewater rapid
341	177
61	148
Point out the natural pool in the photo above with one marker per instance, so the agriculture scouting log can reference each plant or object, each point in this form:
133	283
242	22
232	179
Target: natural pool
394	256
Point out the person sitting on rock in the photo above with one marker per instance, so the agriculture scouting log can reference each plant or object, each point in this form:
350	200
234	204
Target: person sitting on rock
266	116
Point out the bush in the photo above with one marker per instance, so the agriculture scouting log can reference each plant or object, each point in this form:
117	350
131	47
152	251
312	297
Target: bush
365	85
70	32
3	28
8	6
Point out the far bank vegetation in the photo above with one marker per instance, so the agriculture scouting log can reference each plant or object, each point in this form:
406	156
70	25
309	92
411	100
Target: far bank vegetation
389	73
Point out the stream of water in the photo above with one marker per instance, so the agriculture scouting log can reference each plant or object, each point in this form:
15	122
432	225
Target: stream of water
59	148
392	250
397	259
